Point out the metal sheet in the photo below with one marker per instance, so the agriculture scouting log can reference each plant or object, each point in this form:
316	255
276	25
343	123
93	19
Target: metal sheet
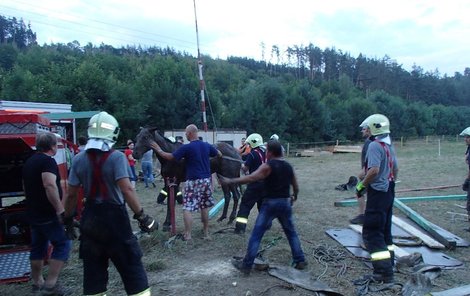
14	266
352	240
349	239
433	257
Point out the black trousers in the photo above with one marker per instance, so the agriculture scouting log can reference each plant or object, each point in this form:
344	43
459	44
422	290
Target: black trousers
377	228
253	195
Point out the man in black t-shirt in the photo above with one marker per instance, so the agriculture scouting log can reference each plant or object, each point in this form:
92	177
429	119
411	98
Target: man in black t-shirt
278	176
43	193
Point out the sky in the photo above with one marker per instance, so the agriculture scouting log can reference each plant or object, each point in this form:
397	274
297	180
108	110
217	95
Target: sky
431	34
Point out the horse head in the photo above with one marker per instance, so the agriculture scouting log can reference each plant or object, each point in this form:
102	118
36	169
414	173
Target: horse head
143	140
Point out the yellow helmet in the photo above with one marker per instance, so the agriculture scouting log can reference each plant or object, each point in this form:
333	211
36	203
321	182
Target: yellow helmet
103	126
254	140
466	132
378	124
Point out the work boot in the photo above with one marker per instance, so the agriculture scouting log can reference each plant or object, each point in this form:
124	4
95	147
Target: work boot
238	264
383	271
385	278
239	228
359	219
300	265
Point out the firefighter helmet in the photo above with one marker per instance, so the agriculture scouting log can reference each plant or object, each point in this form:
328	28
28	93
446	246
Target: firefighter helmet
254	140
274	137
103	126
378	124
365	123
466	132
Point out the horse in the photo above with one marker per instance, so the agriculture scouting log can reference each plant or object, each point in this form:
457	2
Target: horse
228	165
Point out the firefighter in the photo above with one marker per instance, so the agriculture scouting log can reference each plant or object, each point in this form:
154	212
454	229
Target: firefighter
381	171
361	200
106	232
254	191
244	149
466	184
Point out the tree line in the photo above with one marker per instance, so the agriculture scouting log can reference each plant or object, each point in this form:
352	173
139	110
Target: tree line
304	94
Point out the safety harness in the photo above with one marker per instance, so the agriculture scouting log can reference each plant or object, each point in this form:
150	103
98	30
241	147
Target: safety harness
390	161
261	156
98	186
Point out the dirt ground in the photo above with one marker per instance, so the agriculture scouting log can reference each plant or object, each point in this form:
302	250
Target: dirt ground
204	268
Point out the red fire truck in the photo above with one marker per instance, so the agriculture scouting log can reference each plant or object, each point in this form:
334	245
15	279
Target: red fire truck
18	132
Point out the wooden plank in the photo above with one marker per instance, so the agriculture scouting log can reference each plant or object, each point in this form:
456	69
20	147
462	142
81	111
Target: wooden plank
352	202
347	149
459	291
427	240
399	252
428	188
425	224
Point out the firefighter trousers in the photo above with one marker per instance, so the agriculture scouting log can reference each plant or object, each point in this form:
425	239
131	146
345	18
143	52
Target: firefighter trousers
252	195
377	228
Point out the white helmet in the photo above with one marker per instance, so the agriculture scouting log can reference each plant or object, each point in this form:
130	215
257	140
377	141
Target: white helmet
378	124
103	126
274	137
466	132
254	140
365	123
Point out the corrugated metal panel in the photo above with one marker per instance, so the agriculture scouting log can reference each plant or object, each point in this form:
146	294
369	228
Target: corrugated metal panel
25	106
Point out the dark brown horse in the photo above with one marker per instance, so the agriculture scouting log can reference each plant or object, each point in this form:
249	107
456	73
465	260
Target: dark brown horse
228	166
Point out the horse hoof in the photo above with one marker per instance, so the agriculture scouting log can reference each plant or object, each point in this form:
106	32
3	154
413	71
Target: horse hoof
221	219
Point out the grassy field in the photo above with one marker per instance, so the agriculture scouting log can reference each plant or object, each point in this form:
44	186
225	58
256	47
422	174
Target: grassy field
203	267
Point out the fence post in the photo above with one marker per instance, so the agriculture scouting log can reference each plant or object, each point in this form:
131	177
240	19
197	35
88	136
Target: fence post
288	150
439	146
401	142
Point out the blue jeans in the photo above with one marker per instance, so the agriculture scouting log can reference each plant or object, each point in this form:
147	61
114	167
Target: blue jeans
134	176
147	170
272	208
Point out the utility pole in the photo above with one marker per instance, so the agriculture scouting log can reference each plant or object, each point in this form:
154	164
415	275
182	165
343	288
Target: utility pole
201	77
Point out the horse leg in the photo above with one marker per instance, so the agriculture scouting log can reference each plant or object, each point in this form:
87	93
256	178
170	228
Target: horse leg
167	223
178	194
226	203
236	197
163	194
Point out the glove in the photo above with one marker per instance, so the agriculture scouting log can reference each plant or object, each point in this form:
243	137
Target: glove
69	225
466	185
360	189
146	223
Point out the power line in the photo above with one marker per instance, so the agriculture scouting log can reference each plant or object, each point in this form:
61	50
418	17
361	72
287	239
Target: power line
130	31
